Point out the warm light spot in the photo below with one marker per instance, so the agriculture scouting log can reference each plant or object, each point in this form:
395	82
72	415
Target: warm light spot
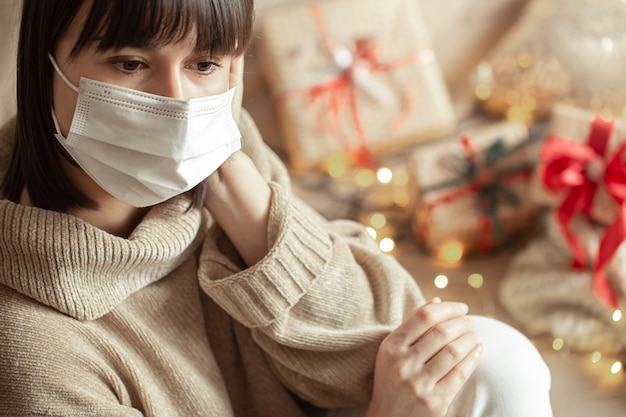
558	344
616	368
617	315
524	60
517	114
596	357
364	178
482	91
384	175
475	281
378	220
401	176
452	252
441	281
401	198
372	232
336	167
484	72
607	44
387	245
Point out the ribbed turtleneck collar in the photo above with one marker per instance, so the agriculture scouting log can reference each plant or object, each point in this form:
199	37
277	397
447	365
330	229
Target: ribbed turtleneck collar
82	271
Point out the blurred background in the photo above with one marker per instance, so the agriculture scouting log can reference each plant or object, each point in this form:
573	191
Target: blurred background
479	142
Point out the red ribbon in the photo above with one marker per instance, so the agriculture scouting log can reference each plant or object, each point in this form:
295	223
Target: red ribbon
615	234
341	89
580	168
567	166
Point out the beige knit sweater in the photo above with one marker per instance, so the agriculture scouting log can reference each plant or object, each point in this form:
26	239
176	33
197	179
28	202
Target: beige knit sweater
169	323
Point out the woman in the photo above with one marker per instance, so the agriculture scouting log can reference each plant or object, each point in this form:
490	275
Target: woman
149	267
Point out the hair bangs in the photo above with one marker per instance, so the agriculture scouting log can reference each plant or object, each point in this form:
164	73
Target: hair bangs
222	27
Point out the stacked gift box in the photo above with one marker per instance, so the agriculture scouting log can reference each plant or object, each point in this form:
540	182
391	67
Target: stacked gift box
570	281
352	78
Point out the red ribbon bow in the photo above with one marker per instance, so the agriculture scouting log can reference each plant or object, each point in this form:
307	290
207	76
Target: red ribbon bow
580	168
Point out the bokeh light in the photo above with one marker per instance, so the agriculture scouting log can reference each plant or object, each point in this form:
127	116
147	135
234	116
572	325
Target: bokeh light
378	220
558	344
387	245
441	281
384	175
475	280
617	315
451	252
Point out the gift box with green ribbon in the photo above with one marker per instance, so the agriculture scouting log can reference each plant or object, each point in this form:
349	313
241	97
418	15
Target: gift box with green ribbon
353	78
472	190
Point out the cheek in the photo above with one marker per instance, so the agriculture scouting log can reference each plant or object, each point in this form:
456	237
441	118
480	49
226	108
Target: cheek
63	104
216	85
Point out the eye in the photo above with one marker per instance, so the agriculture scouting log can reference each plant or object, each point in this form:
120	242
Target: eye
204	67
129	66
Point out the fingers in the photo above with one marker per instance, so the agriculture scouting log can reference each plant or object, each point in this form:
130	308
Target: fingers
425	318
451	354
453	380
447	336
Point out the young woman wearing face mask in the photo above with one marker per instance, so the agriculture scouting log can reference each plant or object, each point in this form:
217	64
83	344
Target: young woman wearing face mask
154	263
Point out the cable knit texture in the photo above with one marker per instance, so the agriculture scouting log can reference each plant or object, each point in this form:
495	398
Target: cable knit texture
169	322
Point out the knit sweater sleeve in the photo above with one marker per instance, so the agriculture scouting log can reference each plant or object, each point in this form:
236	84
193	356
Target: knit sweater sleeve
318	304
50	367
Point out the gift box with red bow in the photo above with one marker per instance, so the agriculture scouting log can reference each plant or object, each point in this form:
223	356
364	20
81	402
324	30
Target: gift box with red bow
582	172
352	78
472	190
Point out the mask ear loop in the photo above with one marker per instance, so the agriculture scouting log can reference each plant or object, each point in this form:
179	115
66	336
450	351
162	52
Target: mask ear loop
63	77
58	135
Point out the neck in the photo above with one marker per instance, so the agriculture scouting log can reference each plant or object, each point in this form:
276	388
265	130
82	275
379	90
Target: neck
113	216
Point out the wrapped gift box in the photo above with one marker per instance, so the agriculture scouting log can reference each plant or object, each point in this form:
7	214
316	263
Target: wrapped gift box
581	127
472	190
351	77
582	174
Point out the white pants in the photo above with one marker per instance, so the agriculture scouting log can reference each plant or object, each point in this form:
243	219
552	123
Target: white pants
512	379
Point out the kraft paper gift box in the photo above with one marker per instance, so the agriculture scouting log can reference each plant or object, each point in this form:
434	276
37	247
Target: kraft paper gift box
356	78
579	145
472	190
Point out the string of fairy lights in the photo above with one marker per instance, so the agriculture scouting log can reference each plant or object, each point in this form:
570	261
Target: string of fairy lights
382	203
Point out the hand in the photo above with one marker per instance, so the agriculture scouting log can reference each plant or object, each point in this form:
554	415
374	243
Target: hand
239	199
422	365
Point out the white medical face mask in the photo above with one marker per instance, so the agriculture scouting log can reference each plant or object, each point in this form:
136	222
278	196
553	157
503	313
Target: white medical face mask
142	148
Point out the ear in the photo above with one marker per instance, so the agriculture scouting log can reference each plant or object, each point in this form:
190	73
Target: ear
236	80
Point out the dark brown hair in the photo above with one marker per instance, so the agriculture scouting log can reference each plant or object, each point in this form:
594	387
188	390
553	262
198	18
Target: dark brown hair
222	26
